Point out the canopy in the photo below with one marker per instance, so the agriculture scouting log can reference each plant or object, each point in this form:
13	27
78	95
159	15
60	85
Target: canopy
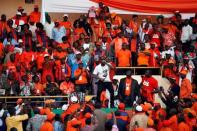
153	6
141	7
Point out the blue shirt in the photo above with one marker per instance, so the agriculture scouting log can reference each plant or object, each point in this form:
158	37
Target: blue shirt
58	126
58	33
13	42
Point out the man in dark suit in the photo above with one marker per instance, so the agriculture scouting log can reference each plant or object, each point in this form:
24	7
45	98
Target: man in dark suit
128	89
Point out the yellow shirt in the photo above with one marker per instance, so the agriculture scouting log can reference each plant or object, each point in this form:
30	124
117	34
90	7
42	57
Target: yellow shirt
16	121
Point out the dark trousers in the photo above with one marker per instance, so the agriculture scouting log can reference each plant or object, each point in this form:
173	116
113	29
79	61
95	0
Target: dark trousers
105	85
134	58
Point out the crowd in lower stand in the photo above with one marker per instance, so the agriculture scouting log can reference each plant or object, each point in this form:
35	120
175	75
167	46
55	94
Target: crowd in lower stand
79	60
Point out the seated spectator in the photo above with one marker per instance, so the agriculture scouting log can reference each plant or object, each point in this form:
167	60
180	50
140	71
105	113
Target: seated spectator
15	120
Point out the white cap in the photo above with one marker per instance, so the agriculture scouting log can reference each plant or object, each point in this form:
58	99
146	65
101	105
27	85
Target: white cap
65	107
138	108
144	20
46	55
20	41
18	13
65	15
73	99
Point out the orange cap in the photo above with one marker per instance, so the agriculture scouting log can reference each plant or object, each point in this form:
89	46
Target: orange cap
184	72
121	106
87	115
75	122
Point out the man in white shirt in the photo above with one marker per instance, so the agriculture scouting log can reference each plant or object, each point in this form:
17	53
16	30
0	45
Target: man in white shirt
101	72
186	35
49	26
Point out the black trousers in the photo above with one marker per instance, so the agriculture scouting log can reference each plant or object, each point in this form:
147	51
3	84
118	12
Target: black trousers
105	85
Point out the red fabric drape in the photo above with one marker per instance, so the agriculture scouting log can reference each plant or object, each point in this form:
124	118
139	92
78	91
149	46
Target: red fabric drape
153	6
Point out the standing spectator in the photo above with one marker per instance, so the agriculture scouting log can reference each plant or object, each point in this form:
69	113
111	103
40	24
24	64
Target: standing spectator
3	26
36	121
143	56
67	25
91	124
139	119
101	72
186	87
101	116
186	35
15	120
128	89
26	87
148	85
35	15
58	125
41	35
49	26
174	88
154	55
58	32
123	56
26	36
182	126
47	125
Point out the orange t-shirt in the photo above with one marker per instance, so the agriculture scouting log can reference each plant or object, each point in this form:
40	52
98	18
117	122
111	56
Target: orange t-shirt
82	78
143	59
186	88
118	43
1	49
183	127
46	126
64	45
124	57
66	24
60	55
35	17
133	45
128	87
39	88
172	123
134	26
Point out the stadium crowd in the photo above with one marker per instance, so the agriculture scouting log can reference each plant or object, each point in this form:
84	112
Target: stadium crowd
79	59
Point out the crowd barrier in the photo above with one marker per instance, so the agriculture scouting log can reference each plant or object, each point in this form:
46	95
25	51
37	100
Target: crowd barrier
139	70
33	99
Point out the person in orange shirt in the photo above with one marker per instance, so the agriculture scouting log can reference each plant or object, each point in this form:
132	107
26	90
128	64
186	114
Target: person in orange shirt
154	55
172	122
3	26
77	31
73	107
11	65
38	87
123	57
186	87
65	43
35	15
47	125
117	42
67	24
73	125
143	56
182	126
59	54
116	20
67	87
1	50
81	78
133	24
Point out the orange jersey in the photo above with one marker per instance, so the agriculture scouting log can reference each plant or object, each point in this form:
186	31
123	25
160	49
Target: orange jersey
82	78
143	59
186	88
124	58
34	17
46	126
134	26
171	123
